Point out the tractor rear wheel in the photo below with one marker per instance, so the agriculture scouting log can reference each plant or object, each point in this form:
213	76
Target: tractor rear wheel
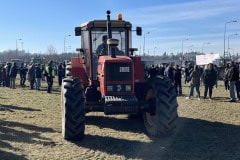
73	104
161	116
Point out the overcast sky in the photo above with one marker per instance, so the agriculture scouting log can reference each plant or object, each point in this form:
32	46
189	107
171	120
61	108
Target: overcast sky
169	23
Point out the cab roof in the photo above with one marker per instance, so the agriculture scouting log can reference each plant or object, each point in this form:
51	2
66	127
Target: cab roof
103	23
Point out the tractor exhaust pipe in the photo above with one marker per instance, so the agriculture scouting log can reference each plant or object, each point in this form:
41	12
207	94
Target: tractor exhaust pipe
109	25
111	42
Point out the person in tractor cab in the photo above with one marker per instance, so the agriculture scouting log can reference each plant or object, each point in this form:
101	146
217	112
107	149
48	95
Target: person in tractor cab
102	48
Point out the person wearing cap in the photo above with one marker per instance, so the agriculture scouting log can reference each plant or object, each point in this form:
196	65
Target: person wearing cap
102	48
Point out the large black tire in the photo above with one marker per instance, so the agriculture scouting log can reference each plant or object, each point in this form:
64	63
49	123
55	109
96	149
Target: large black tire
73	104
161	117
68	71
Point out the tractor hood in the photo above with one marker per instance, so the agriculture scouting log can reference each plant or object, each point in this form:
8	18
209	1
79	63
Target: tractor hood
118	59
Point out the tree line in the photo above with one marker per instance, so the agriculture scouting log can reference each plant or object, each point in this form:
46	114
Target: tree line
6	56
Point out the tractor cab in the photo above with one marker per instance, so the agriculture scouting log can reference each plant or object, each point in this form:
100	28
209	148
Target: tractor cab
106	46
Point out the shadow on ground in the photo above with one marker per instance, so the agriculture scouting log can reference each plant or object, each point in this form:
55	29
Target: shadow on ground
56	90
17	132
11	156
223	99
193	139
12	108
132	124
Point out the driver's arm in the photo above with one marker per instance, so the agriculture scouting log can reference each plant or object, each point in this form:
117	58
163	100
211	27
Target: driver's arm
99	49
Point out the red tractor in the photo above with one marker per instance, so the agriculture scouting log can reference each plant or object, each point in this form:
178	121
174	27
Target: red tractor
114	82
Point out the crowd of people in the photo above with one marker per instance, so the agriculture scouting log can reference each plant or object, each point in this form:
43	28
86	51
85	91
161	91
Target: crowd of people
34	73
195	76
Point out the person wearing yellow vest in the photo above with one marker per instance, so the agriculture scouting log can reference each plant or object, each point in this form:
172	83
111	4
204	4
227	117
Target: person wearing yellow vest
50	74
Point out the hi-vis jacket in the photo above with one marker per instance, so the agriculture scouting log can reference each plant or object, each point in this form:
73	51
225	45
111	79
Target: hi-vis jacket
50	71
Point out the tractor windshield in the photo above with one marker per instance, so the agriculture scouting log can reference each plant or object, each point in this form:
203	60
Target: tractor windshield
117	33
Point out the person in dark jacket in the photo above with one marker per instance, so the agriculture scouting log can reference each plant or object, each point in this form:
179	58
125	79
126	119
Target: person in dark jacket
4	76
209	80
178	80
38	76
152	72
161	70
195	82
1	75
31	75
23	74
170	72
233	78
13	75
102	49
61	73
8	67
238	82
225	79
50	74
187	75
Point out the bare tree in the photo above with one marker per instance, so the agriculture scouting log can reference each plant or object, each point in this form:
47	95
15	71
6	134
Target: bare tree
51	50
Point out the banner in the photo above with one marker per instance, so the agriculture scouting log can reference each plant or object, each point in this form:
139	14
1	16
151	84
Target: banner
206	59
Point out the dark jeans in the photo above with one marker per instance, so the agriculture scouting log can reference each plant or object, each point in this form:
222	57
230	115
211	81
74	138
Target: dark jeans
7	81
22	80
60	80
237	84
226	84
3	83
50	84
178	87
208	87
186	79
192	90
32	81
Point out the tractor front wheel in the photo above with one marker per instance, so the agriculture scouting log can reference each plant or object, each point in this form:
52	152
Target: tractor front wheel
161	115
68	71
73	104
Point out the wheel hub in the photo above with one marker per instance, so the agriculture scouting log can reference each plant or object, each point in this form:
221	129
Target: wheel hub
150	119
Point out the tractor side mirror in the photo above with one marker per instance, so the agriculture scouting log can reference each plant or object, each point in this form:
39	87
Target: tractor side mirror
77	31
132	50
80	50
139	31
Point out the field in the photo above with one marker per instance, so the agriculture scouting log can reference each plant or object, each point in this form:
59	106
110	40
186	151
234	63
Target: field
30	128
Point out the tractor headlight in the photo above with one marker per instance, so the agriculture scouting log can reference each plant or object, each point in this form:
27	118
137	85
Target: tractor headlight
109	88
128	88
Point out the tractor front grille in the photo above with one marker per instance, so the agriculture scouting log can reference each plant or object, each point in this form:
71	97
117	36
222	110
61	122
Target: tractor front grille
118	72
121	105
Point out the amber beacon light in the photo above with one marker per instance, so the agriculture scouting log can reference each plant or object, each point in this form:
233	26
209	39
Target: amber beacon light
119	16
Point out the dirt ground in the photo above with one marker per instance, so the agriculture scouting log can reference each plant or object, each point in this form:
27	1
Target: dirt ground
30	128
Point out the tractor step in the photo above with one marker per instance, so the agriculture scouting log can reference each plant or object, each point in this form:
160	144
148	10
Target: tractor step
121	105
